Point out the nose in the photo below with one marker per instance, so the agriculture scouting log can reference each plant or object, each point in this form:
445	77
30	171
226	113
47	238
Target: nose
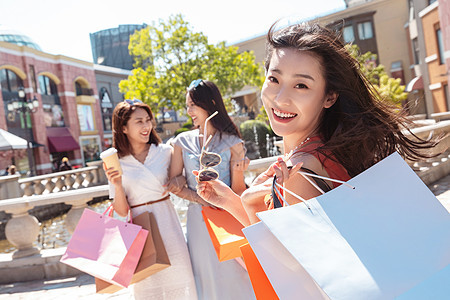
282	96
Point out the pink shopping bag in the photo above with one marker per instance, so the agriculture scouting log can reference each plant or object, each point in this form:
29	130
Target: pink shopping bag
105	247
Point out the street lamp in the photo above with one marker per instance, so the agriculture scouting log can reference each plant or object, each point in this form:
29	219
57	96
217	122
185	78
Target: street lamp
24	106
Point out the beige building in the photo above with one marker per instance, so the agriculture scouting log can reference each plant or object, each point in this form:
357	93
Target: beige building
427	37
374	25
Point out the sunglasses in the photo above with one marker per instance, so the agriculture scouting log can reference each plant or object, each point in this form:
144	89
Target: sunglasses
132	102
208	159
194	84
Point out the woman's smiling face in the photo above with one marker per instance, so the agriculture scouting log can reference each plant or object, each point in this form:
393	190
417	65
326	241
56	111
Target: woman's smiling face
139	127
293	93
198	114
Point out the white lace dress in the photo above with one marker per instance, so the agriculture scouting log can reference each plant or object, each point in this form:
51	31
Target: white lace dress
143	183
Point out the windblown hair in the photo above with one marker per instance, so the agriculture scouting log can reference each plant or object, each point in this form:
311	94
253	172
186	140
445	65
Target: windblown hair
121	115
360	129
207	96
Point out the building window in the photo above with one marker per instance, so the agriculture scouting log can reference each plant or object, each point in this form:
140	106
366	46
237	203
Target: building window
53	112
440	46
107	109
33	78
10	84
415	45
348	34
365	31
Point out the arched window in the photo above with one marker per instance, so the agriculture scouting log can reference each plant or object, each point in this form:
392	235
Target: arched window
53	112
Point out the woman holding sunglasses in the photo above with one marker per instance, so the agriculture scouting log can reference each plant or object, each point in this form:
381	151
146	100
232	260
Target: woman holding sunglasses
145	163
217	148
329	115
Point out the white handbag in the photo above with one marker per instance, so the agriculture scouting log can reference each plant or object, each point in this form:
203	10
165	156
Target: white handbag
376	241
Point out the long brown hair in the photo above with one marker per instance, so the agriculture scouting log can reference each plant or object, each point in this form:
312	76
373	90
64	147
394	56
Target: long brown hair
121	115
359	129
207	96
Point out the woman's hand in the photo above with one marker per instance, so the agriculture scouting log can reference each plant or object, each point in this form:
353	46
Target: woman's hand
113	175
215	192
262	184
176	184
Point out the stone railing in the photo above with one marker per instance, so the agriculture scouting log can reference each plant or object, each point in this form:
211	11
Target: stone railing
12	186
22	229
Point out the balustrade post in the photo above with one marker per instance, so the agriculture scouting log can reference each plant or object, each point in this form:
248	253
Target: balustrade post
74	214
21	231
9	187
100	176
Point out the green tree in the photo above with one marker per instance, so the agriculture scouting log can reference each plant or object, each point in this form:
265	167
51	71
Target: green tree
168	56
389	89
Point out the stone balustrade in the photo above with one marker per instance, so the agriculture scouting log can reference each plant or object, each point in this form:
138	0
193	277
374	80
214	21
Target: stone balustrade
86	183
23	229
12	186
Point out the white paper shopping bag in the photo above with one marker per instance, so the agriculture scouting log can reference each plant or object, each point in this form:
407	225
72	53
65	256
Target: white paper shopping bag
281	267
376	241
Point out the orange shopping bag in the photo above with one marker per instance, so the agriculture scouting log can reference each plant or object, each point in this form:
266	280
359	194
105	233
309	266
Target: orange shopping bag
225	232
261	284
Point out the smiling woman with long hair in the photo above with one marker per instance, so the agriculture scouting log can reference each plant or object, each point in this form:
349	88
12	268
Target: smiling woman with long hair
145	163
214	279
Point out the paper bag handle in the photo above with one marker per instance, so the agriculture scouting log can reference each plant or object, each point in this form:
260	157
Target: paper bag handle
110	211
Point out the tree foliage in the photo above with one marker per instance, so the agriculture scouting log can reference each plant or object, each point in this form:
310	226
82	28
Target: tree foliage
389	89
168	56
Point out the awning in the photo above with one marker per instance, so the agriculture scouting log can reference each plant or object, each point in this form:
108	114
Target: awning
60	140
415	84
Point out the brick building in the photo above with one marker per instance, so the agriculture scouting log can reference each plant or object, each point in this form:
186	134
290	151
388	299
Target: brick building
68	121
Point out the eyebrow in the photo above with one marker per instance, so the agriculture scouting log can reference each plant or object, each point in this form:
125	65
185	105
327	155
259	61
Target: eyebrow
139	118
296	75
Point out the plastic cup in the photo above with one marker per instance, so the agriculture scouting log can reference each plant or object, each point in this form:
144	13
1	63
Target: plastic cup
111	159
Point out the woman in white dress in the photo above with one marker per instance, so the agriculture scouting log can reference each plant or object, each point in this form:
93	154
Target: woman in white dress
214	280
145	163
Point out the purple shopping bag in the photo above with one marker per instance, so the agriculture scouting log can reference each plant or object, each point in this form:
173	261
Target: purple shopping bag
105	247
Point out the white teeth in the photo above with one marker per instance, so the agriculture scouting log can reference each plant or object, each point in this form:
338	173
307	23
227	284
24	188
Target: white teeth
282	114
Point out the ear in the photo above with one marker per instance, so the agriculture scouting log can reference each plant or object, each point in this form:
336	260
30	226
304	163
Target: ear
124	130
331	98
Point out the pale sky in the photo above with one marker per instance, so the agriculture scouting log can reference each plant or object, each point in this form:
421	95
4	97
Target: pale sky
63	27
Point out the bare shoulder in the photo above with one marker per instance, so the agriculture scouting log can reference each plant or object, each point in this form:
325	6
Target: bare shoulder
309	162
237	150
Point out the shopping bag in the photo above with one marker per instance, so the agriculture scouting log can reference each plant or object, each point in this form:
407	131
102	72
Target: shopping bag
260	283
376	241
154	257
225	232
105	247
287	277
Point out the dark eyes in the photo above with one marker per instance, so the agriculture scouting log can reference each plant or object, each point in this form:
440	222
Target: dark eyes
272	79
298	86
301	86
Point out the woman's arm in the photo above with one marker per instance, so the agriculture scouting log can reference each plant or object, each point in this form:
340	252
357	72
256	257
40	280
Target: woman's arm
297	184
253	197
120	203
238	164
177	182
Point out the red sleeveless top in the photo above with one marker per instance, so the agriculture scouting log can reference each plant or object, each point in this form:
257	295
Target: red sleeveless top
334	169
